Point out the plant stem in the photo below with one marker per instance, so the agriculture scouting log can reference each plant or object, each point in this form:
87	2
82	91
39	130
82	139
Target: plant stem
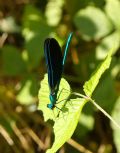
98	107
78	146
104	112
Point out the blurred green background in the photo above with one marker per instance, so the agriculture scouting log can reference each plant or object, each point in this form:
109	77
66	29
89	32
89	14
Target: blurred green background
24	25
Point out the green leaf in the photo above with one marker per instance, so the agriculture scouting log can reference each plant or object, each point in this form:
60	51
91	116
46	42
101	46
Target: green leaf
116	131
28	91
13	64
32	17
69	116
71	109
34	48
63	94
66	123
113	11
92	23
111	41
91	84
34	30
54	12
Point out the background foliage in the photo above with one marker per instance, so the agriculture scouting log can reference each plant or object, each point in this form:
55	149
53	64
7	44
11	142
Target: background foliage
23	27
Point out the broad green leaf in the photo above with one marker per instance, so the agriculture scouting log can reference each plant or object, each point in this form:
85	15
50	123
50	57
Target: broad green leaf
66	123
34	51
71	109
69	116
113	11
54	12
116	131
63	94
34	30
32	17
33	23
13	64
91	84
111	41
92	23
28	91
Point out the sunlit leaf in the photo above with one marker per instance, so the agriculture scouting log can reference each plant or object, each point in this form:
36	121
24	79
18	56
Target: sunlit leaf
64	92
111	41
92	23
28	91
32	17
69	117
91	84
54	12
113	10
34	30
66	123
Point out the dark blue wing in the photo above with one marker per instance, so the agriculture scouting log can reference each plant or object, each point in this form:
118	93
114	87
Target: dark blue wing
53	56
